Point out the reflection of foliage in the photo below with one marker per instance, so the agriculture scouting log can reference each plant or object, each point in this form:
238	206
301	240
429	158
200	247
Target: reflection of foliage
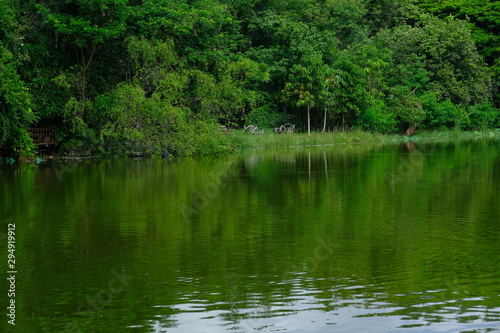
398	246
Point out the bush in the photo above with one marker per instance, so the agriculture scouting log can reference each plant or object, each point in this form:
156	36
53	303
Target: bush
441	115
482	116
378	119
198	138
153	123
265	117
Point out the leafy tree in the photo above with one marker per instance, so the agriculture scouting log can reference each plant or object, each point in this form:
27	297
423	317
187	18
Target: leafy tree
203	31
15	106
327	94
350	91
15	101
265	116
481	117
345	18
484	18
83	26
157	68
484	15
387	14
441	114
407	107
454	68
305	84
138	120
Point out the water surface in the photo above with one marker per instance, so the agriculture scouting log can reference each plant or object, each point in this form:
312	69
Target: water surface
352	238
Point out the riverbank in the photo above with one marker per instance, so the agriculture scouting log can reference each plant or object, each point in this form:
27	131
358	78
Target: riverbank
239	140
242	140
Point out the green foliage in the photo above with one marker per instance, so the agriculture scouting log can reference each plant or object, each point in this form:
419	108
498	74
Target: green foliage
265	116
85	22
154	122
482	117
351	96
483	15
441	114
74	117
406	106
346	19
204	32
15	107
378	118
85	25
166	73
445	58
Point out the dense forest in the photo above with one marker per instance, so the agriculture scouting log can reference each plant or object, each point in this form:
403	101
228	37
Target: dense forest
168	73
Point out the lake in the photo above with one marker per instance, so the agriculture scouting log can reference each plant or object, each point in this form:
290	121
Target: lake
395	237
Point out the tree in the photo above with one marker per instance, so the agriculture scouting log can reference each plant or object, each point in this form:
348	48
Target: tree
203	31
15	106
484	18
327	94
449	56
484	15
15	100
345	18
305	83
350	90
84	25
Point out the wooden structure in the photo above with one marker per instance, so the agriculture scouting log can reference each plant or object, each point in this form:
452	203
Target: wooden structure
43	136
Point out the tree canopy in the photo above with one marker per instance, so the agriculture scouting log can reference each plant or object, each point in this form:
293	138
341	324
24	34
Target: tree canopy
167	73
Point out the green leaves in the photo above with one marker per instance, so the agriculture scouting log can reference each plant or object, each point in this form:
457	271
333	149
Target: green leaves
204	32
305	84
88	21
15	106
138	120
444	59
380	65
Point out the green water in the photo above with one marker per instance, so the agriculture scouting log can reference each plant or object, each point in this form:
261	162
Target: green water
350	238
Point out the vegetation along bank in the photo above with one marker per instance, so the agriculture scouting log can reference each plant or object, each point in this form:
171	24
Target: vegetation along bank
166	74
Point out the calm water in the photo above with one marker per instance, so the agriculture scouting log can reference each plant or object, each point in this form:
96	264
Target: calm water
362	238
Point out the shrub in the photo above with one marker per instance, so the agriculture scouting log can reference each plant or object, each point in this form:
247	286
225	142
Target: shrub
441	115
152	122
482	116
266	117
378	119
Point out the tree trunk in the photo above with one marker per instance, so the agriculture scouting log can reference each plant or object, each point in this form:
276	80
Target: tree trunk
308	119
324	122
85	61
410	130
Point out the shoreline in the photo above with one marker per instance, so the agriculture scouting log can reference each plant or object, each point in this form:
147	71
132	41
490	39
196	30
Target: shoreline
242	141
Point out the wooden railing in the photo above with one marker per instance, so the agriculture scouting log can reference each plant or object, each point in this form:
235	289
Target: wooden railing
42	136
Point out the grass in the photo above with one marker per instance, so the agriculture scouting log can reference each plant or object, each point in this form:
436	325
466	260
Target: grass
240	140
457	134
243	140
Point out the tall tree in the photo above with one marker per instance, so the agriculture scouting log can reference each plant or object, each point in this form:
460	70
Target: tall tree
83	26
449	56
15	100
484	18
306	82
